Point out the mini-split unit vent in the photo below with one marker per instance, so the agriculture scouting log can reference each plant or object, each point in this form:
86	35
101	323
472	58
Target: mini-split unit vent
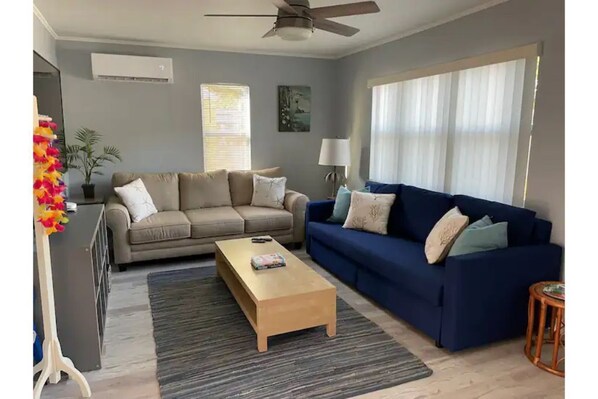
131	68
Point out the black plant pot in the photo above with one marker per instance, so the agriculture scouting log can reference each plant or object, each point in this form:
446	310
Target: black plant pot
88	191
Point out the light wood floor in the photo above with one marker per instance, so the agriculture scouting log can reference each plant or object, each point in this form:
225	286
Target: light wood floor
129	363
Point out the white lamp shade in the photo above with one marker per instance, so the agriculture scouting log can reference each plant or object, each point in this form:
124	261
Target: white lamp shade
335	152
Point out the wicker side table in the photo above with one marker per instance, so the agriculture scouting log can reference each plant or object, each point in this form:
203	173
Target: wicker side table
556	335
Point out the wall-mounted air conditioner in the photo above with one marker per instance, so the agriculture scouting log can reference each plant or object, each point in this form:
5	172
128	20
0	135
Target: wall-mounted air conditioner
131	68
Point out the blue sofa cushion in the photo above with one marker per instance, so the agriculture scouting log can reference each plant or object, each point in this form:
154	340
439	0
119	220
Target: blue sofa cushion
541	232
400	261
419	210
395	209
520	221
383	188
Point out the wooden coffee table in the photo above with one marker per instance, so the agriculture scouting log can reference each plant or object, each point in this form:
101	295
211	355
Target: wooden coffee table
275	301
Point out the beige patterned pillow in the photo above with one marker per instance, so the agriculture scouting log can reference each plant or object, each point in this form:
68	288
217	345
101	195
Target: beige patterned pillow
268	192
137	200
369	212
443	235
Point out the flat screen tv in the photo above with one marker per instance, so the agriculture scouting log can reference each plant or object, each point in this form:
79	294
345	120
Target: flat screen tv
46	87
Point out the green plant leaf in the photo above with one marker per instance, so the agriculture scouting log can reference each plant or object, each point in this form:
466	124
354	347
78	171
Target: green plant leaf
82	156
112	151
88	137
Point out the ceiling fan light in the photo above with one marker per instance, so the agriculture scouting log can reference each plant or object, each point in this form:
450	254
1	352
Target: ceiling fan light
294	33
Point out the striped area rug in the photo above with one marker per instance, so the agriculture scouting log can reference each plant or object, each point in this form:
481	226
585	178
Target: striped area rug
207	349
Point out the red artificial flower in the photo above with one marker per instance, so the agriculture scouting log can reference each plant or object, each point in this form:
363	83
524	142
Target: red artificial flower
52	125
37	139
45	199
39	159
47	223
44	123
51	151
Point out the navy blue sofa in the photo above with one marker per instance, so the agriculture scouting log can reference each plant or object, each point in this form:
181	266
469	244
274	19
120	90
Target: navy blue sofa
466	301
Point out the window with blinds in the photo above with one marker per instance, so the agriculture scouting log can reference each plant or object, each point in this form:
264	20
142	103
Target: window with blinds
226	126
457	132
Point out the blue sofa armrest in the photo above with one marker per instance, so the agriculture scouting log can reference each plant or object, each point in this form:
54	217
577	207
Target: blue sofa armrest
316	211
486	293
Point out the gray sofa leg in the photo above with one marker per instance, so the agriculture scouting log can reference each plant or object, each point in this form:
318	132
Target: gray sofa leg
122	268
297	245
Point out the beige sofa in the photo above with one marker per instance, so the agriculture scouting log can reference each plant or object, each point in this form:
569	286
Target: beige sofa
197	209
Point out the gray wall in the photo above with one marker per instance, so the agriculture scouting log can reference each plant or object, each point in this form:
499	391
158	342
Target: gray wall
43	42
507	25
157	127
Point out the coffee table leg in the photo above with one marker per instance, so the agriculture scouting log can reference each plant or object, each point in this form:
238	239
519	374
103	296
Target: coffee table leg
331	328
262	343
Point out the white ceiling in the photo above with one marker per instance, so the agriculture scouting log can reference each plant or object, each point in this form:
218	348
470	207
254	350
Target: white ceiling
180	23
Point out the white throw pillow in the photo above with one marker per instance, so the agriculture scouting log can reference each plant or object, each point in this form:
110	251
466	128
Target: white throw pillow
443	235
137	200
268	191
369	212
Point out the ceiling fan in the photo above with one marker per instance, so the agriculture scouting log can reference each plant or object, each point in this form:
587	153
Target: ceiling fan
296	20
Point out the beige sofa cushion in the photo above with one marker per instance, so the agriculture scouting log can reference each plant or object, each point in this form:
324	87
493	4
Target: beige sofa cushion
161	226
204	190
259	219
162	187
214	222
241	183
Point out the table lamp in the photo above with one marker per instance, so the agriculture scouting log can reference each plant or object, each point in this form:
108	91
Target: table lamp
335	152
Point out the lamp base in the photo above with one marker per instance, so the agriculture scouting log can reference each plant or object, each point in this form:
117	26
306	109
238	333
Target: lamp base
334	177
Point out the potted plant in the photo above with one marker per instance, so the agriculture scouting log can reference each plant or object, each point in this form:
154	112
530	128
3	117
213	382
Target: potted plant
83	157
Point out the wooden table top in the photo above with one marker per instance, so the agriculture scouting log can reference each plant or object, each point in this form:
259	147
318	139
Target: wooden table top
296	278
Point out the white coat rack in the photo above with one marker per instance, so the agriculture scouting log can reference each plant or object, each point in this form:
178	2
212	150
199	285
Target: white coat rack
52	362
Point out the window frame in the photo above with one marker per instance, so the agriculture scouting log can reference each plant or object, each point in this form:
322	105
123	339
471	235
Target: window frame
247	123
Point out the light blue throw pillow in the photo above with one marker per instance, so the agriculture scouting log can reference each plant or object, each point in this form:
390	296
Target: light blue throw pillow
342	204
479	236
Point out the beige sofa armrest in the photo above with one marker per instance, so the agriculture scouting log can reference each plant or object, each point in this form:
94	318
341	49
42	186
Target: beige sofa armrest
119	222
296	203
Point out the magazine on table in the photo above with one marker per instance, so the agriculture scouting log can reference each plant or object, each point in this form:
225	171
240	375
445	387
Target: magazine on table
555	290
268	261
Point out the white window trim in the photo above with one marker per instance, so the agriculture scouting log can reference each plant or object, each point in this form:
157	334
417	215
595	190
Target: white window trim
528	51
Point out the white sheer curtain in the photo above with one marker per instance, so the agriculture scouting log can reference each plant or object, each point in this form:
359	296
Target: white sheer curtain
486	131
410	130
456	132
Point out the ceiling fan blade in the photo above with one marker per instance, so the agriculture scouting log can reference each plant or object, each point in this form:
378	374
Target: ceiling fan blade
270	33
335	27
342	10
284	6
239	15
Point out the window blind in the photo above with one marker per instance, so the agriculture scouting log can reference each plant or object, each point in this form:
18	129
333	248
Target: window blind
226	126
456	132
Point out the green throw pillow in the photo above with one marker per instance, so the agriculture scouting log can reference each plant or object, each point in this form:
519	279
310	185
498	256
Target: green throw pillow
342	204
479	236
